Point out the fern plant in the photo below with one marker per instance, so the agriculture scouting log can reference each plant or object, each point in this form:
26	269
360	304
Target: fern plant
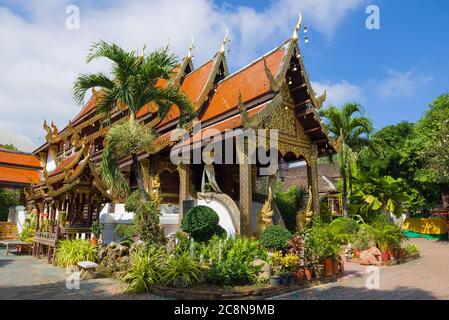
182	271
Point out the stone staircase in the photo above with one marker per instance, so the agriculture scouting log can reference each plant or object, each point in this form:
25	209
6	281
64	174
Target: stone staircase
8	231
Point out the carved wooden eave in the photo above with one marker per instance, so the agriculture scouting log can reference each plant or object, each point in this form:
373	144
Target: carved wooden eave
186	62
292	49
220	59
67	170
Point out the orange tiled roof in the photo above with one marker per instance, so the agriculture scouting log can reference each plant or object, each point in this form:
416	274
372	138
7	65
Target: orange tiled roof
221	126
90	105
19	175
66	163
251	81
19	159
192	86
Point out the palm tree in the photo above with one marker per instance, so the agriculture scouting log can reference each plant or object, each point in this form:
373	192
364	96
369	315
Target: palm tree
353	131
132	83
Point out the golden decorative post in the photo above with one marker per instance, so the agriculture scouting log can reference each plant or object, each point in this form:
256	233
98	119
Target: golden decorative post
312	176
246	191
184	187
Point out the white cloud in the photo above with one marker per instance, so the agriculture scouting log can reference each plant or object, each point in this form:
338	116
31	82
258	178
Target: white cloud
40	58
339	93
401	84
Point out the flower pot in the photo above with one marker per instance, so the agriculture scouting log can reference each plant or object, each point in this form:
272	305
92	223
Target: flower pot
276	281
391	254
385	256
328	267
356	253
94	241
402	253
300	275
288	279
334	266
308	273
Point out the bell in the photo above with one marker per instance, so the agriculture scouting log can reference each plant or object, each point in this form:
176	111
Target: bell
306	40
306	30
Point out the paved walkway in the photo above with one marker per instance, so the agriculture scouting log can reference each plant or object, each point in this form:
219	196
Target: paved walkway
25	277
423	279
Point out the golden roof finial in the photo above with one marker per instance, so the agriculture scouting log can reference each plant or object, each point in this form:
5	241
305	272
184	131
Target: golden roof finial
297	27
192	46
225	41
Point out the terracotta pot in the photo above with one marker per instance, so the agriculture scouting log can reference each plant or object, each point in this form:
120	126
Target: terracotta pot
391	253
94	241
334	266
300	275
385	256
328	267
308	273
356	253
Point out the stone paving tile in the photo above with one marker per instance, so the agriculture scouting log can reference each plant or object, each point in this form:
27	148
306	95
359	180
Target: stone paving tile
25	277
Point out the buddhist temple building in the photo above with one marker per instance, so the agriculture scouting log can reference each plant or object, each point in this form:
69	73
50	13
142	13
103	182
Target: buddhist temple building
18	170
271	92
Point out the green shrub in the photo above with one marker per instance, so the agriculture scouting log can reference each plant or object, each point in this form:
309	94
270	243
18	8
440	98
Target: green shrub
145	269
231	260
364	238
70	252
344	230
201	223
126	233
387	235
146	217
320	243
233	272
181	271
275	237
411	249
289	203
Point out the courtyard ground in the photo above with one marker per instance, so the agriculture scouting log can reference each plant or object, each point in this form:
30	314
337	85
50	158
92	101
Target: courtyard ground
25	277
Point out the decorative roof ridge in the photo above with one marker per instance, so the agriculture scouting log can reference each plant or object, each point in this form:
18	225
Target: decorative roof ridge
253	62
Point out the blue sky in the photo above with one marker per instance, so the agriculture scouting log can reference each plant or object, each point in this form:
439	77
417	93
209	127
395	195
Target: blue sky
393	72
407	59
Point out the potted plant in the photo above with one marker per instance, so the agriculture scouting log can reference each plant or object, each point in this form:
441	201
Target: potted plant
289	266
275	262
96	233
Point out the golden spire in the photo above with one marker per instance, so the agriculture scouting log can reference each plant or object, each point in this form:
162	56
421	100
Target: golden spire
225	41
297	27
192	46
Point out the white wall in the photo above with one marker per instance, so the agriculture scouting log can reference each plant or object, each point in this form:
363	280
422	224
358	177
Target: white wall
17	215
223	213
51	161
112	215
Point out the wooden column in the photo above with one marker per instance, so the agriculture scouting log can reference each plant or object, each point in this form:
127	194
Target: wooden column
312	177
184	187
246	193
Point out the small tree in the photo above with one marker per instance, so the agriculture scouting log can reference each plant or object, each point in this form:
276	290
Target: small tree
134	84
8	199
